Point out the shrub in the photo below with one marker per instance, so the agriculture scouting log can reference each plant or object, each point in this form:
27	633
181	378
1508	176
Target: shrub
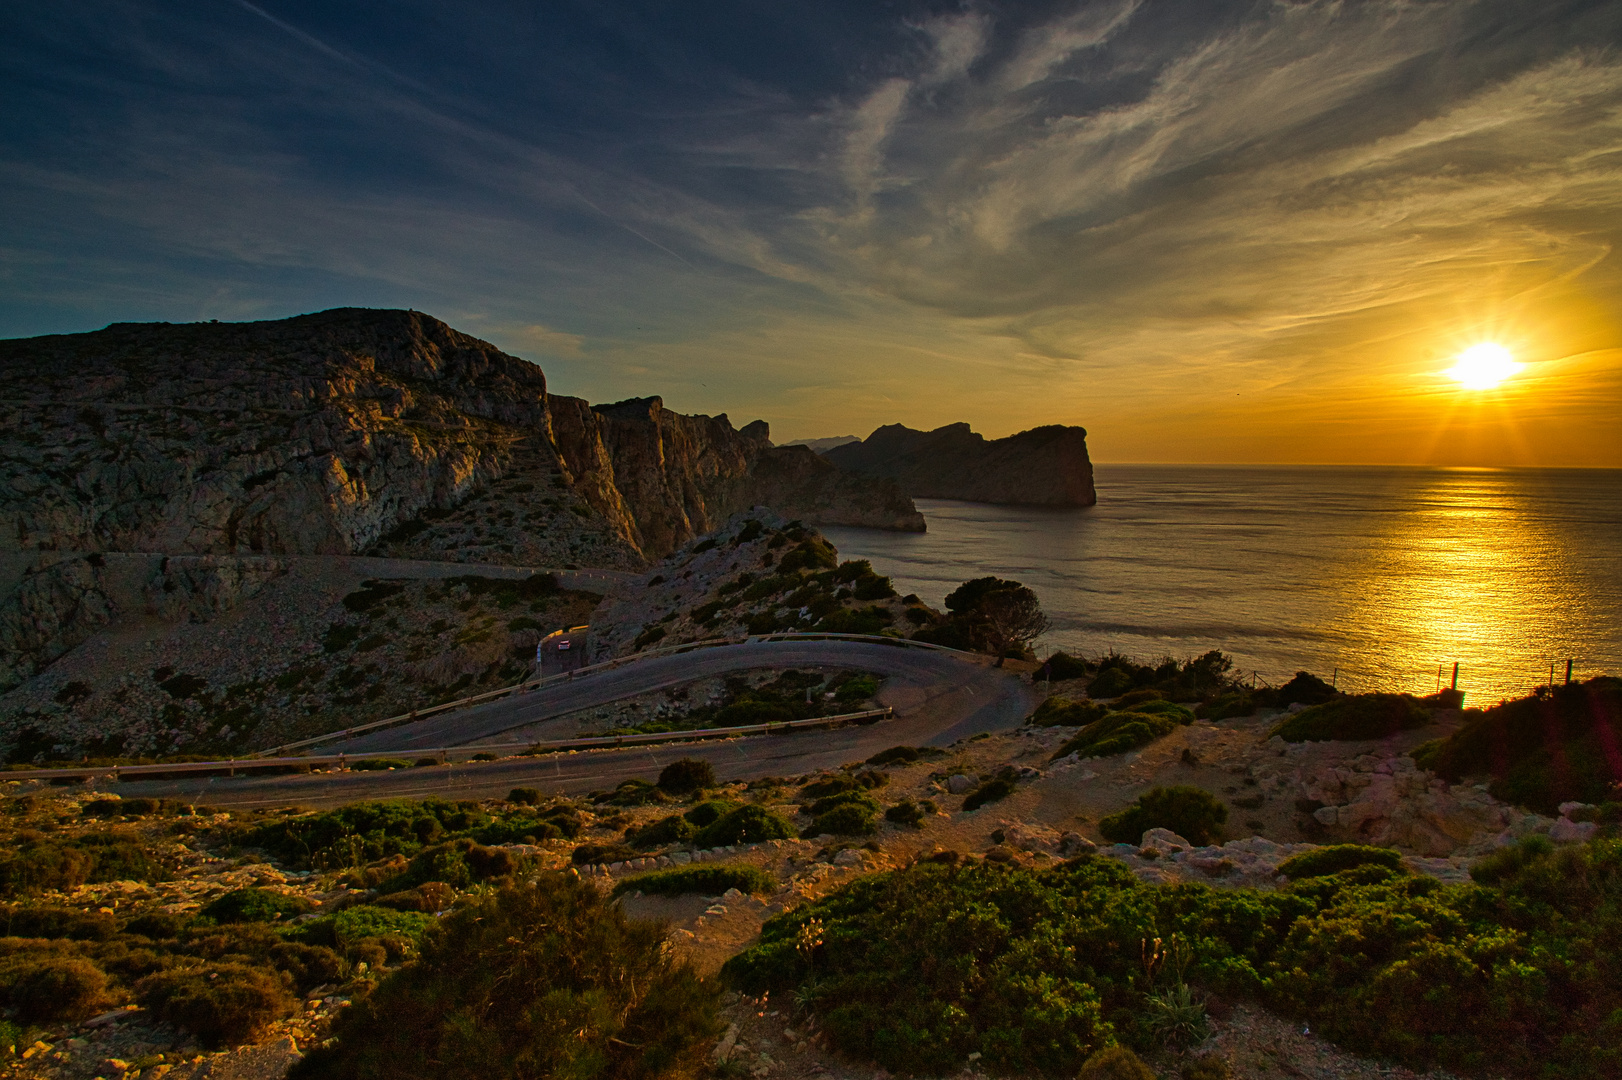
363	832
38	863
1115	1063
746	825
1228	707
1542	750
1360	716
843	819
859	688
221	1004
902	755
1207	1066
542	979
56	922
1037	970
1190	812
1060	711
909	812
994	790
54	989
1136	697
674	829
309	966
633	793
585	854
1111	682
708	880
524	796
1306	689
254	905
709	811
458	864
1509	861
1062	665
1337	857
1116	733
685	776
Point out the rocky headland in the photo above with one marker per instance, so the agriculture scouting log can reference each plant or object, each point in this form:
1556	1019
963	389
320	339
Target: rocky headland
1045	466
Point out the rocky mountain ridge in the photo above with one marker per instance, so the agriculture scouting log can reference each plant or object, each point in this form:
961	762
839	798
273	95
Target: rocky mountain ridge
1045	466
325	433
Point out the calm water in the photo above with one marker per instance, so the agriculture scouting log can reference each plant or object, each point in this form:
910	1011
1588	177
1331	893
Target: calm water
1384	574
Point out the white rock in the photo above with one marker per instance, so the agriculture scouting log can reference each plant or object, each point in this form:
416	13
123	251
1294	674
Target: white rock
681	858
849	857
959	784
1164	841
1567	831
1327	815
732	896
1567	807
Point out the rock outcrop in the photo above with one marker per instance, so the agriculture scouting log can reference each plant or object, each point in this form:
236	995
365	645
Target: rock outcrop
1045	466
327	433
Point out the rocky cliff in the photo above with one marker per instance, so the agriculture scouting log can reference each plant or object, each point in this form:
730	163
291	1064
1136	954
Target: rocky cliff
327	433
1045	466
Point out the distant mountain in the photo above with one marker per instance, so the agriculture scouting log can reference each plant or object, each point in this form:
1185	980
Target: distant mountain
822	446
1045	466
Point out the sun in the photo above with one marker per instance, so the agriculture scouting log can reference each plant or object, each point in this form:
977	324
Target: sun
1482	367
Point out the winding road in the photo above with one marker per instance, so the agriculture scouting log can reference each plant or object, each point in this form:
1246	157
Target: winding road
939	697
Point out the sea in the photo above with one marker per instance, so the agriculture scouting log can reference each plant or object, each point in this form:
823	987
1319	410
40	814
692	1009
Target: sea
1374	578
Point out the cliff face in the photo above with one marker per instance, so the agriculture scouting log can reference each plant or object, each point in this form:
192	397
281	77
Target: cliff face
1046	466
327	433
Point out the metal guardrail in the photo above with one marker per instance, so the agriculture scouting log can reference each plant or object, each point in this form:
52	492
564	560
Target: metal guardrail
528	686
599	742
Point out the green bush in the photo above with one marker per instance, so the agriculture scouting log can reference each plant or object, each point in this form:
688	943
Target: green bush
459	864
994	790
1336	858
1352	717
902	755
1060	711
543	979
50	921
1109	683
1551	747
1062	665
1037	970
221	1004
1190	812
633	793
857	689
525	796
685	776
675	829
585	854
38	863
1509	861
1228	707
363	832
1117	733
709	811
746	825
53	989
709	880
909	812
1115	1063
851	818
254	905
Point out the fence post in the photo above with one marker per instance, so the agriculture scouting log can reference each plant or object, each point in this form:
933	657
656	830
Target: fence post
1455	674
1568	671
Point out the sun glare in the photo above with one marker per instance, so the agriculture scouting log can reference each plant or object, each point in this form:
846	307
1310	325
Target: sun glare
1481	367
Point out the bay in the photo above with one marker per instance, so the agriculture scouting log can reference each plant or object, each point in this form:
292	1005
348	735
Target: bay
1380	578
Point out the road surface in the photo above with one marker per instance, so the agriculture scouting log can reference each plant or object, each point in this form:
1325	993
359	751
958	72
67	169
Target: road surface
939	698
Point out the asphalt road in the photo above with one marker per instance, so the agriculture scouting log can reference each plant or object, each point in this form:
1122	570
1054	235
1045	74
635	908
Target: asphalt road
938	697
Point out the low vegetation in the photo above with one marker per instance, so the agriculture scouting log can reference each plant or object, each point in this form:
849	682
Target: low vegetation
711	880
1192	813
1559	744
539	979
1355	716
1037	971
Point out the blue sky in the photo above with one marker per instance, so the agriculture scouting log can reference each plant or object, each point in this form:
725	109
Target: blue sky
1206	231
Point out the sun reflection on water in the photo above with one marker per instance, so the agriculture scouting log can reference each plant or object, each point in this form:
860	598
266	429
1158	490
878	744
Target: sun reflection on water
1471	575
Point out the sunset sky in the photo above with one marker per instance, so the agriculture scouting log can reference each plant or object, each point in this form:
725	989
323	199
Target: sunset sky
1207	231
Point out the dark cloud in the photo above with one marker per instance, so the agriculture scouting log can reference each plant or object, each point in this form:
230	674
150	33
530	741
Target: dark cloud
846	213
